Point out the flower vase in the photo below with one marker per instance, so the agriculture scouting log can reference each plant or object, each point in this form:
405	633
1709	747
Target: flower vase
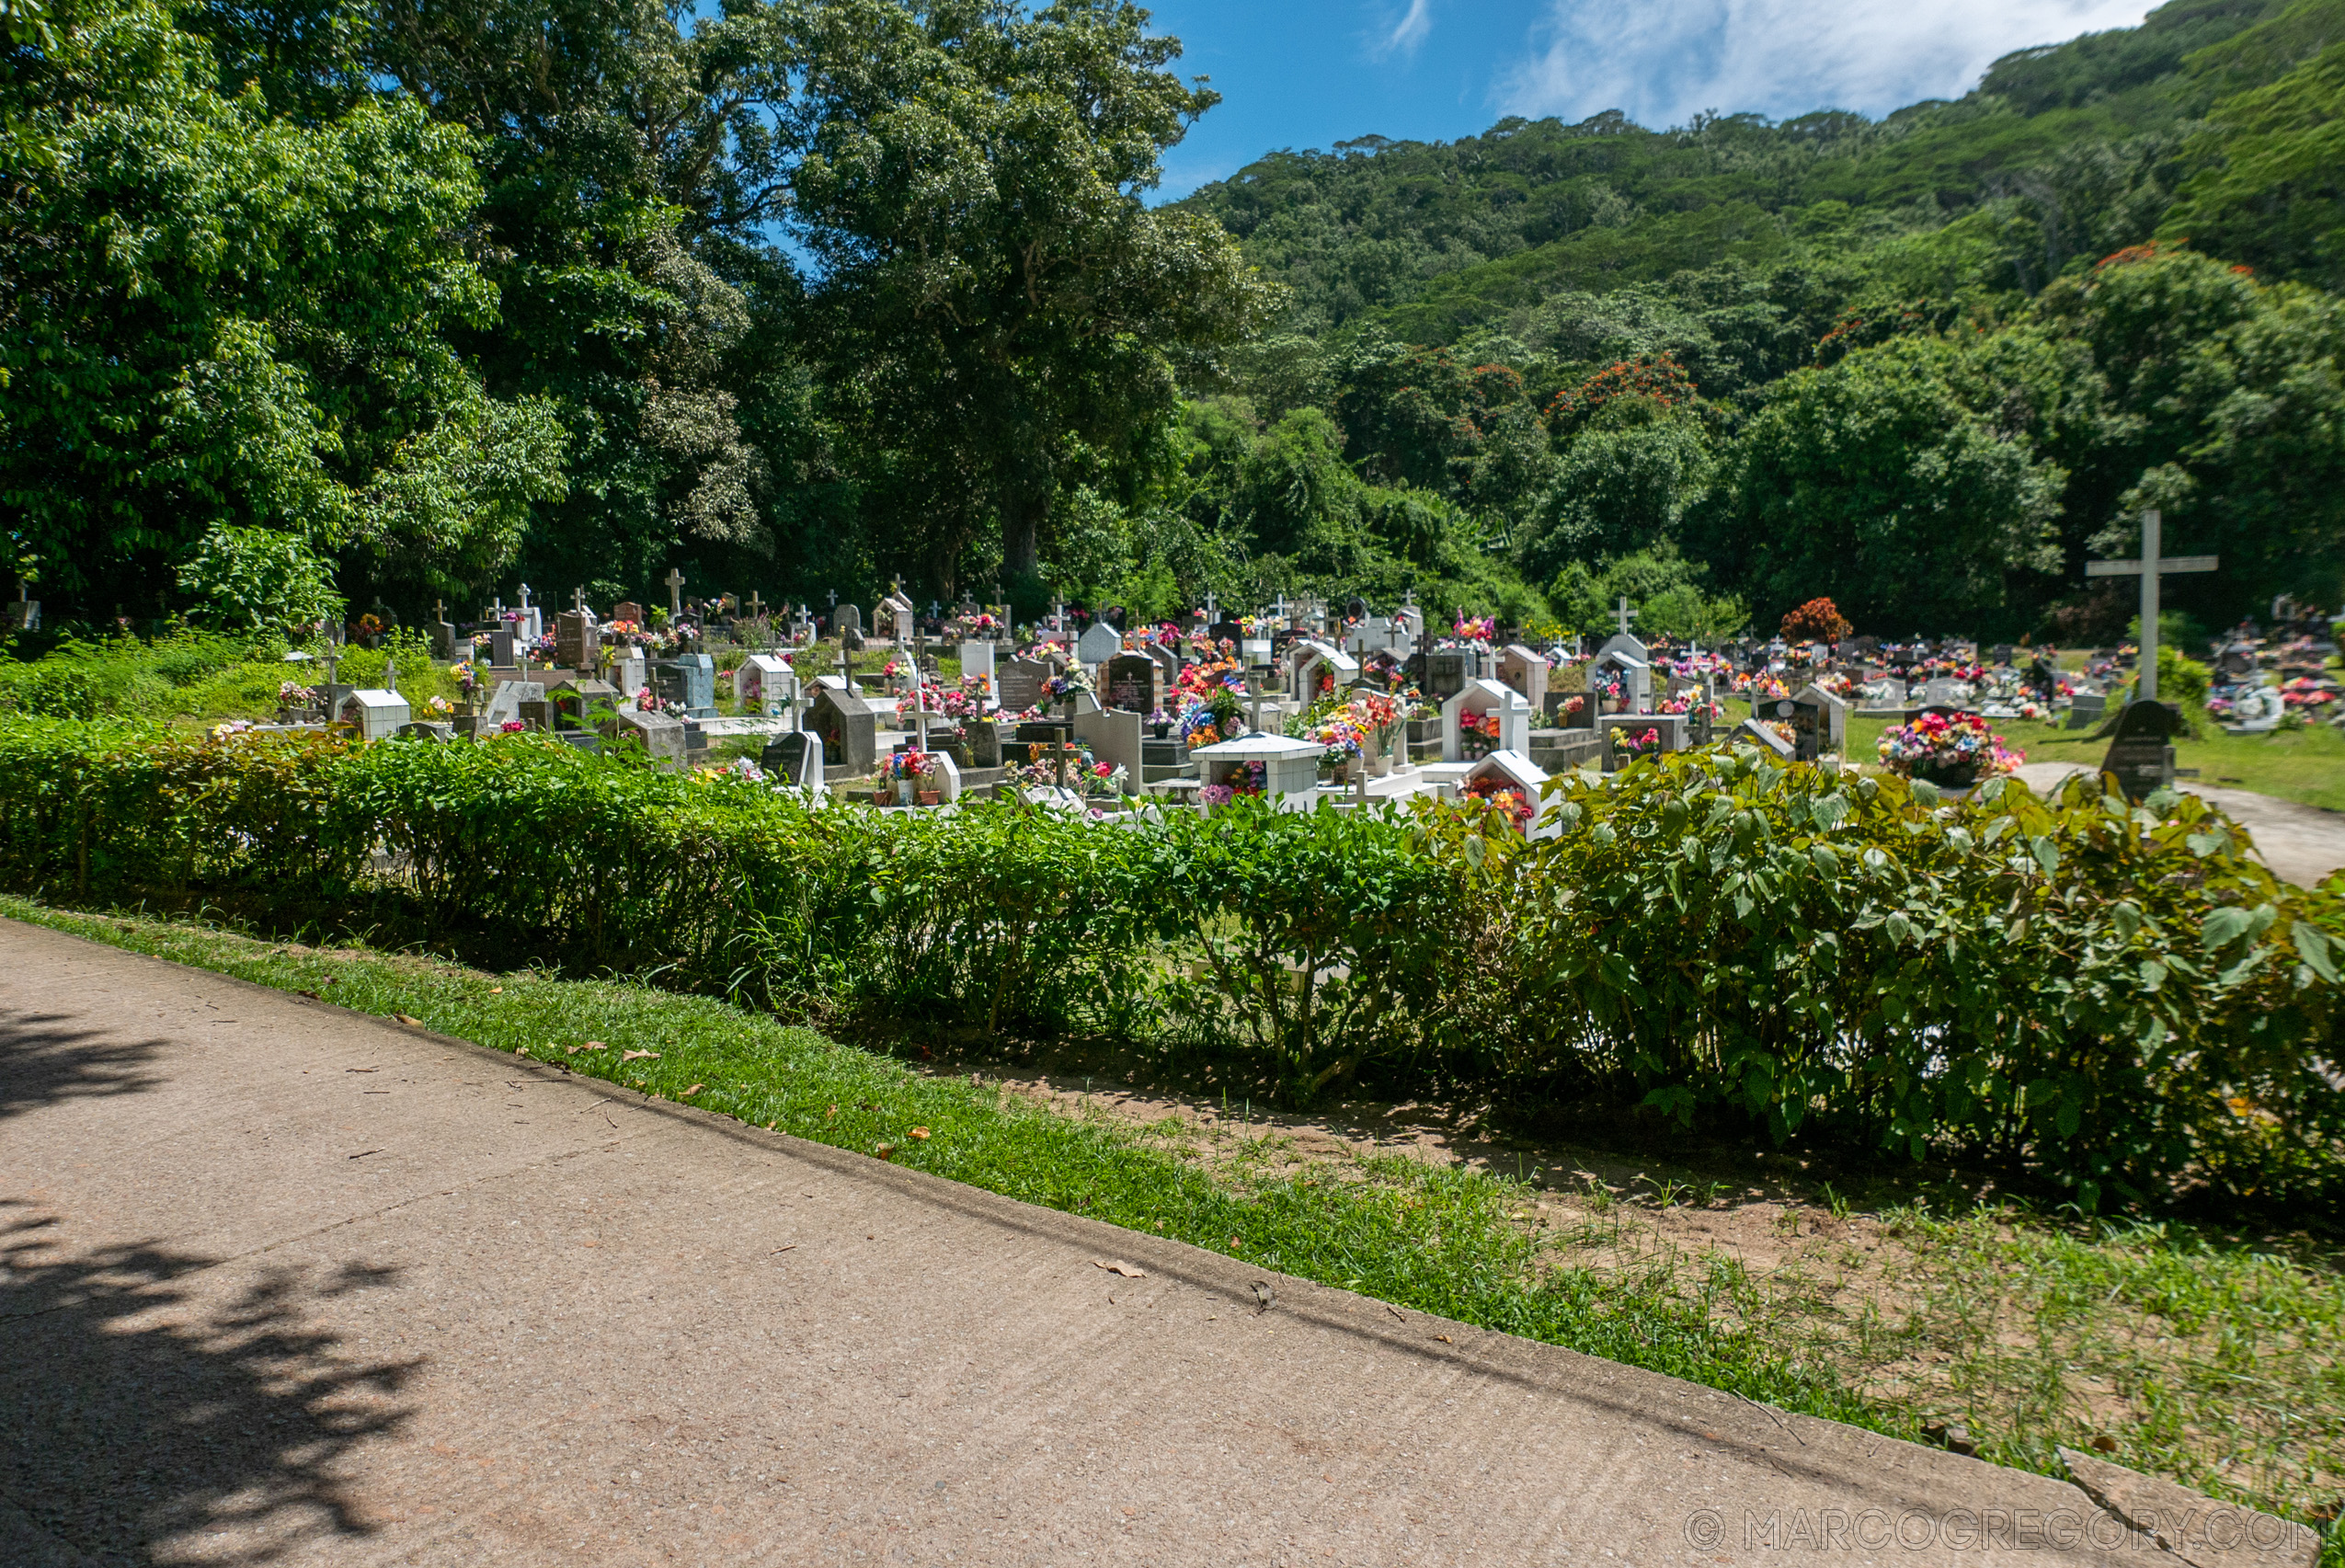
929	796
882	795
904	792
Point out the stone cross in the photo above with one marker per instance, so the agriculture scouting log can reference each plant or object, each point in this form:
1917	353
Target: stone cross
1253	696
675	594
756	605
1625	614
525	596
577	600
1212	609
438	610
2149	568
834	602
391	676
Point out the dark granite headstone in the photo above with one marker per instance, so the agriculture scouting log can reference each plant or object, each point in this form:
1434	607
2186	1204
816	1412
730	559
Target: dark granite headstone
1132	682
1021	684
575	641
792	758
1446	670
627	610
2141	754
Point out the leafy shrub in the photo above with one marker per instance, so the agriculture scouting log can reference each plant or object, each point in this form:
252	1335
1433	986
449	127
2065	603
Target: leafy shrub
55	691
2122	1003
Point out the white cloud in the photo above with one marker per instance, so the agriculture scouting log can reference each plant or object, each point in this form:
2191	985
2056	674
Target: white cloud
1664	61
1408	32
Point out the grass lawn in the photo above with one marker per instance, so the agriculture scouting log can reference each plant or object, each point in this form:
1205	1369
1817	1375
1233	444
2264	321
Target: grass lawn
2209	1358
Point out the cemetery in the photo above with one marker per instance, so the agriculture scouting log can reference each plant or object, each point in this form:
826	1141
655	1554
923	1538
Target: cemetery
1484	844
1277	860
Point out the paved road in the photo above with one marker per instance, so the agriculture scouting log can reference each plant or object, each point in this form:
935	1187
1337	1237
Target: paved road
287	1284
2301	843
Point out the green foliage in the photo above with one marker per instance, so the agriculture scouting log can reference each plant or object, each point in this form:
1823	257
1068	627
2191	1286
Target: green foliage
1873	483
2268	190
217	319
1662	586
253	578
2112	1000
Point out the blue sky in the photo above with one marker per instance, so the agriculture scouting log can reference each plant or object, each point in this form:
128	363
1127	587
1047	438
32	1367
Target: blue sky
1311	73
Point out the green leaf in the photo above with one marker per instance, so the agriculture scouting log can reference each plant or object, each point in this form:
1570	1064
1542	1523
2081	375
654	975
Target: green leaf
2153	974
2047	855
2126	918
2312	946
2224	927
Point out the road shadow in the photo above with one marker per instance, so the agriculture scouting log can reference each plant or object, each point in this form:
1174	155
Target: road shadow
149	1413
49	1056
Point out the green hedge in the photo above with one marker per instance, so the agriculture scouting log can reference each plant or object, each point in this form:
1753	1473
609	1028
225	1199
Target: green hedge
2120	1001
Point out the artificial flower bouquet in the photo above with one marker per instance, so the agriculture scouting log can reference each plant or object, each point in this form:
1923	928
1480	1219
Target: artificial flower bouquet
1478	735
290	695
1955	750
1505	795
1628	744
1470	629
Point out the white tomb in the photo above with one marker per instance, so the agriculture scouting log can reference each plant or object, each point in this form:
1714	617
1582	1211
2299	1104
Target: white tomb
1510	768
1099	642
1290	767
1478	698
765	678
1308	659
372	715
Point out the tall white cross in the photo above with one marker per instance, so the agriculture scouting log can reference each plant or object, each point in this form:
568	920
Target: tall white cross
525	601
675	594
1626	615
1212	609
2149	568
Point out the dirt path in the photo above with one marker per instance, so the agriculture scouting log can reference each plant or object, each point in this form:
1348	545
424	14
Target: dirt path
2301	843
286	1283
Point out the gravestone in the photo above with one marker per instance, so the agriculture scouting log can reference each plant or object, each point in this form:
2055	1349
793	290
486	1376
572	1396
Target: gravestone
1168	665
1132	683
579	701
1022	681
627	610
1099	642
1941	693
2237	663
1227	630
661	736
793	759
576	643
976	660
504	645
443	641
848	621
629	673
1760	734
1636	675
1116	740
1672	729
1526	672
846	725
1446	670
505	702
2141	754
2086	709
689	683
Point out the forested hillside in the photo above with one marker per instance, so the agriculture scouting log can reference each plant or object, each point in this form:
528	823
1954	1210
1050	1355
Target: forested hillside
404	299
1920	363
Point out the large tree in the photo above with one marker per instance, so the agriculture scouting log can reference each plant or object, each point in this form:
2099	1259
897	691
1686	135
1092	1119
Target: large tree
225	334
1001	309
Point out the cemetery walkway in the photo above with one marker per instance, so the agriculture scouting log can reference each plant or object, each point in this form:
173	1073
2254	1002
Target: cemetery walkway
287	1283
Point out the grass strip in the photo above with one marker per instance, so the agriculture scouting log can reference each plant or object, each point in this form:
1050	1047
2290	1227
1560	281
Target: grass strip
1434	1239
